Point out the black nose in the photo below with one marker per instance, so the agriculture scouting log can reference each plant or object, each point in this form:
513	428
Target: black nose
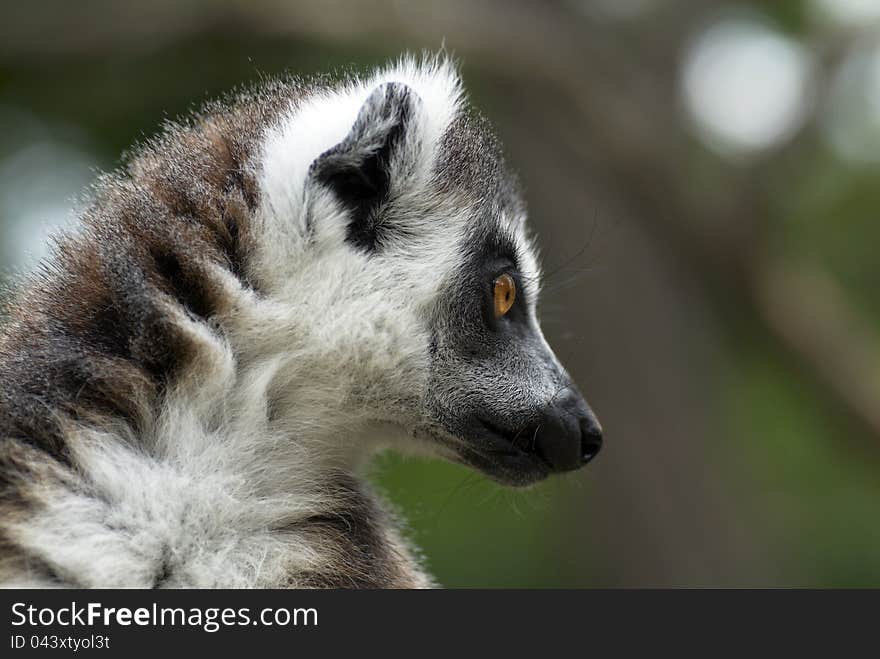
568	435
591	439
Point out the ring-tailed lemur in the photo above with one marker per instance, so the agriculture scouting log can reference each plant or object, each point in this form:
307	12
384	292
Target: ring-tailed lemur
265	295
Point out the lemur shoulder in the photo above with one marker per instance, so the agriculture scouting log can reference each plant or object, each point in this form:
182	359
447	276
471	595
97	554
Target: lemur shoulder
261	298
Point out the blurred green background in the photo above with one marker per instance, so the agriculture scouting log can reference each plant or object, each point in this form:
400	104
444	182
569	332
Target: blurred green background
704	179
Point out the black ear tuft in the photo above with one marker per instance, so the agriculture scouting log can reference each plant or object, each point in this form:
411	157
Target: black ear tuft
358	169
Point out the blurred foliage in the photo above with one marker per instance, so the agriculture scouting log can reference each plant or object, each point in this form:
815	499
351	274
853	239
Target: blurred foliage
816	500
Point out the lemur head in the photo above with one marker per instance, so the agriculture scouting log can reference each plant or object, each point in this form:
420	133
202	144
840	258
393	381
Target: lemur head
389	220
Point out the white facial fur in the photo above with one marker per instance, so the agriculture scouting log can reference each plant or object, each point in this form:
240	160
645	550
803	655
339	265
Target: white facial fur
368	313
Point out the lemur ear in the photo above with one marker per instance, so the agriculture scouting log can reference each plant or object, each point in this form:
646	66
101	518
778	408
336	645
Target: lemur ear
358	169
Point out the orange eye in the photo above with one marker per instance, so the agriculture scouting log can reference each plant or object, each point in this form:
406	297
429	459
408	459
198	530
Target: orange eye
505	294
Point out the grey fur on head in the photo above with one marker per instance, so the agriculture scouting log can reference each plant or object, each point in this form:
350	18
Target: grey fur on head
260	299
